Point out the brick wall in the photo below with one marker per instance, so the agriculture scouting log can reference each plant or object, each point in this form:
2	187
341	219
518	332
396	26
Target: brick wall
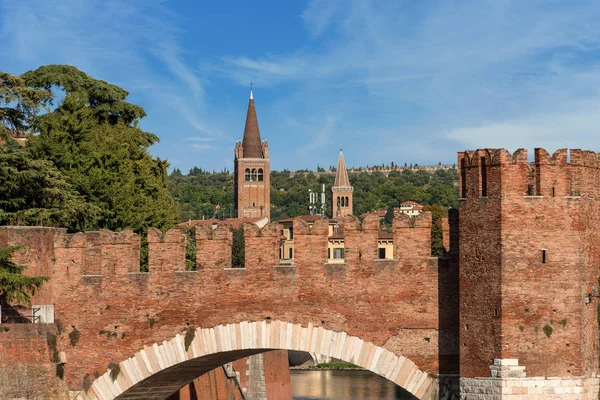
96	288
515	304
26	366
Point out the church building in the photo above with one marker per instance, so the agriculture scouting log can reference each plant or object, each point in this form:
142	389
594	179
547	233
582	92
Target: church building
341	192
252	181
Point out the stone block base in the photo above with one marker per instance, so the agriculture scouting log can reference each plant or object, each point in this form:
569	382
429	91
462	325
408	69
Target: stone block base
532	388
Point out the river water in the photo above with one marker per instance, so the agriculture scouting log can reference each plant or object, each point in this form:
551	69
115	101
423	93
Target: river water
344	385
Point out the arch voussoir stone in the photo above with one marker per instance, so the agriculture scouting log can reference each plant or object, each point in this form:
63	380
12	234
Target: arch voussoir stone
211	346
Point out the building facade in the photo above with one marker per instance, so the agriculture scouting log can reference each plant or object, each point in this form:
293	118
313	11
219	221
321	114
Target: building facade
252	171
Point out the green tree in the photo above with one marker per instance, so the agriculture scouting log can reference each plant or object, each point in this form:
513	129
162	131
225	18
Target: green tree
238	251
93	137
14	286
34	192
19	103
437	212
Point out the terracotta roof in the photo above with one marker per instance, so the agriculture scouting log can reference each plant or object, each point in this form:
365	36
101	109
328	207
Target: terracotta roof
385	235
307	218
235	223
341	175
251	143
410	202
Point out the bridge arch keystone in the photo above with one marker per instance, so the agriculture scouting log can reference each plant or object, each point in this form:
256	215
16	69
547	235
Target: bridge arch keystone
161	369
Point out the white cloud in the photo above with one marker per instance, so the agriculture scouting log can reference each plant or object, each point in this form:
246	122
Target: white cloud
433	76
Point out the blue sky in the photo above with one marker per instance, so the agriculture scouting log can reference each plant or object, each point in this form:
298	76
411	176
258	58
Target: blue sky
404	81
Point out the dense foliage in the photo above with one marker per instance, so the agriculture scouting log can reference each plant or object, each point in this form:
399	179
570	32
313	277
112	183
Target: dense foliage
14	286
207	195
87	146
35	192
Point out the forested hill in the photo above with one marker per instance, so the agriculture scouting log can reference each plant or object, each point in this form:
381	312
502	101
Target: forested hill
203	194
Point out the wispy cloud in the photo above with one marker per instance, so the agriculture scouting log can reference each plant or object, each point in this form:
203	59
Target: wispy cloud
464	74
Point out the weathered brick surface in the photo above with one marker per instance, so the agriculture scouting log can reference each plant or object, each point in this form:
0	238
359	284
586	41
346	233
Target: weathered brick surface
118	311
26	368
508	294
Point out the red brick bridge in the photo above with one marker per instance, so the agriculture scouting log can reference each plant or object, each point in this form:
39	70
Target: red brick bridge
382	315
526	242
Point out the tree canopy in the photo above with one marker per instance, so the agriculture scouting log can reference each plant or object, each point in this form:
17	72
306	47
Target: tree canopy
88	143
199	192
19	103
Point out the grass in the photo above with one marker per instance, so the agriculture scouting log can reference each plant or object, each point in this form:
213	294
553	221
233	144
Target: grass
336	365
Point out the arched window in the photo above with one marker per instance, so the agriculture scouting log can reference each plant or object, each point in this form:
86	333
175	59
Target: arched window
347	204
247	174
254	174
260	174
338	201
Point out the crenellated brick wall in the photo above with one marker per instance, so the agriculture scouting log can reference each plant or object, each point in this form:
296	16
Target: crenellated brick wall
529	255
97	289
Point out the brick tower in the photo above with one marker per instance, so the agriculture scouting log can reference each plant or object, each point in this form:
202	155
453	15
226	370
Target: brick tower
529	257
252	171
341	199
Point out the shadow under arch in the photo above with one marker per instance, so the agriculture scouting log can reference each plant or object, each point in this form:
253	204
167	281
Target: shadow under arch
158	371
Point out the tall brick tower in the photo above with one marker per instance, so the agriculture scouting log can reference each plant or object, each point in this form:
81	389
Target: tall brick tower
252	171
341	199
529	257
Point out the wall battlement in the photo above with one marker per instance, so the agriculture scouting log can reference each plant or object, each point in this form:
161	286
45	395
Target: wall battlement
496	172
109	253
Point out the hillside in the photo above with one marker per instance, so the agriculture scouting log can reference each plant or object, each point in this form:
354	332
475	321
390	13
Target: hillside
203	194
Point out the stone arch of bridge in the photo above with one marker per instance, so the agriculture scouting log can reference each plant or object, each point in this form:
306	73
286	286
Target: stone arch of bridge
158	371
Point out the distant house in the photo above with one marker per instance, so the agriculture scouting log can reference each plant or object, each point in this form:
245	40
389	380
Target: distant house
409	208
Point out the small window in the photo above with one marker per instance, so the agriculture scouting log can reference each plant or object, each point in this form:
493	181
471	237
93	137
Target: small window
247	174
338	201
338	253
553	191
463	178
260	175
291	252
347	203
254	174
328	253
530	191
543	256
483	178
382	252
291	232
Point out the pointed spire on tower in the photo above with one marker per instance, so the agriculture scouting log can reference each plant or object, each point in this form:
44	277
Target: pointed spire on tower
252	144
341	175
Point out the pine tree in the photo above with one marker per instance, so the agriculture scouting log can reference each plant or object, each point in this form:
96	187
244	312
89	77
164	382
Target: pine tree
93	137
14	286
238	252
34	192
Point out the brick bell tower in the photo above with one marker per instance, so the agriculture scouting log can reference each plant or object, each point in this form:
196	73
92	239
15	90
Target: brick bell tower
341	198
252	171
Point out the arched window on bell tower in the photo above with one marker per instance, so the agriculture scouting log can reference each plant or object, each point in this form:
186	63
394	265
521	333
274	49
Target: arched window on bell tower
260	175
247	174
254	174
